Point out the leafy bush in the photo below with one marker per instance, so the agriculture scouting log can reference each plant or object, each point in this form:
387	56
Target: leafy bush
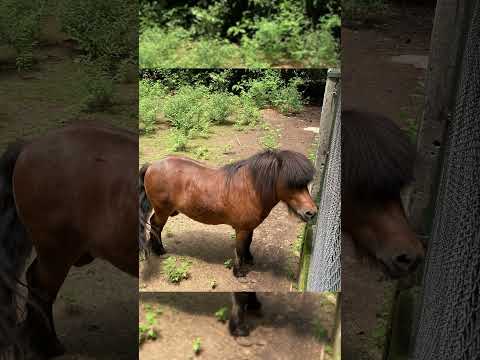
289	100
211	34
218	107
159	47
271	90
353	9
150	95
105	30
248	114
178	140
98	87
20	26
184	110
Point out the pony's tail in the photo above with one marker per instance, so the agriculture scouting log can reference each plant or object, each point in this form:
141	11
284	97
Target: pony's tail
15	247
144	211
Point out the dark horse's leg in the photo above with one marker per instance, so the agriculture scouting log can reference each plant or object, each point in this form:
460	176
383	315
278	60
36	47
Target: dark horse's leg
44	280
157	222
242	302
242	252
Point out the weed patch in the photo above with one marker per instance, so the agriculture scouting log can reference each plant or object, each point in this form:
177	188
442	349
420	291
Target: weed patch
176	271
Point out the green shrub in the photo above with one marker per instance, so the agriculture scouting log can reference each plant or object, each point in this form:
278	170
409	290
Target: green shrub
178	140
218	107
320	47
361	9
248	114
184	110
105	30
20	26
98	87
127	71
151	94
159	48
263	89
288	99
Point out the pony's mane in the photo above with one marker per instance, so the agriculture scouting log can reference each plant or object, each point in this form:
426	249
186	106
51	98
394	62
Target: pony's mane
377	157
270	166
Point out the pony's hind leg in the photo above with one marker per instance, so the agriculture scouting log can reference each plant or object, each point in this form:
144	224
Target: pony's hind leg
243	255
254	305
44	279
236	323
157	221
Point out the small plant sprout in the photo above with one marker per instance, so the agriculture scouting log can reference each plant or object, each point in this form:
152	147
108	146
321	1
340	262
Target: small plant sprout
228	263
197	346
222	314
213	284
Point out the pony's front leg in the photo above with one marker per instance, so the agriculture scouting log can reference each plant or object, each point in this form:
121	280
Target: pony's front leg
243	255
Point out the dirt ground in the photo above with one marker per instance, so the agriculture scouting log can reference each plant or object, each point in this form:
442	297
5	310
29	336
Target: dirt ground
207	247
291	326
376	77
96	311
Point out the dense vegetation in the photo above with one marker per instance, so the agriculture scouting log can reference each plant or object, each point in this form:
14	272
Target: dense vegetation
104	34
223	33
190	102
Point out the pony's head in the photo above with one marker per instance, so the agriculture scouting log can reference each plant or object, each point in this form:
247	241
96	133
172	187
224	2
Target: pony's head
283	175
377	163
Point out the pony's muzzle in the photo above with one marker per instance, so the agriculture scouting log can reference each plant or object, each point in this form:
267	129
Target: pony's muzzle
309	214
405	263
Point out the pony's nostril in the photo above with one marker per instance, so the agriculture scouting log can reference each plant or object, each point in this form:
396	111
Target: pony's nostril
309	214
404	261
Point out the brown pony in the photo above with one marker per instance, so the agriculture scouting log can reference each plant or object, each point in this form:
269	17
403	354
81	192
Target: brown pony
72	196
377	163
241	194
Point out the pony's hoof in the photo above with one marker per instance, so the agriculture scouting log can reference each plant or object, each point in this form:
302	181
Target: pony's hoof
255	307
158	250
248	260
51	350
238	272
238	330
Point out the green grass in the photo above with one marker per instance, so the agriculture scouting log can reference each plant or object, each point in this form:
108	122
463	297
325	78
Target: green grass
176	270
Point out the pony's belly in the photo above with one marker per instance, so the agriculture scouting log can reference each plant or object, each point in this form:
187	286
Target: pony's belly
205	216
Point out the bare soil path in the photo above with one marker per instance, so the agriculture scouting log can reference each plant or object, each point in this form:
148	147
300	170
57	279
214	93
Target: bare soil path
207	247
291	327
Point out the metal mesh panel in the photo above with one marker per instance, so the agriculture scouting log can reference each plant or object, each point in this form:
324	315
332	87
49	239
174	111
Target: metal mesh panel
449	325
325	269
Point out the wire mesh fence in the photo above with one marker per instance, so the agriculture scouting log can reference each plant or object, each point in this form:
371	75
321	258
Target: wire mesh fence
449	323
325	267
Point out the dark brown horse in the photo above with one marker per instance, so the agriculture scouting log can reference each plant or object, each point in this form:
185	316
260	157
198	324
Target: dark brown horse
377	163
241	194
72	195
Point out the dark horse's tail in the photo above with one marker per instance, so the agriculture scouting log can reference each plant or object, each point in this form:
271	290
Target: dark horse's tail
144	211
15	248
